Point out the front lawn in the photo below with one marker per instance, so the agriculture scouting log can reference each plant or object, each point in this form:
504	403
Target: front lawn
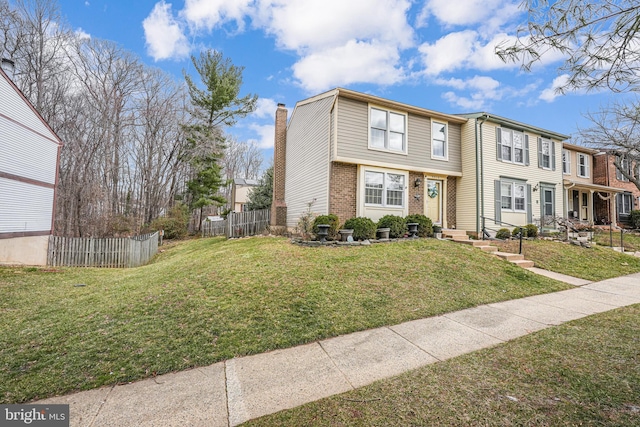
596	263
583	373
207	300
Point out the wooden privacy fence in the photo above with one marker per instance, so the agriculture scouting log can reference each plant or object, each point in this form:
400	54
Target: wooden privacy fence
109	252
238	224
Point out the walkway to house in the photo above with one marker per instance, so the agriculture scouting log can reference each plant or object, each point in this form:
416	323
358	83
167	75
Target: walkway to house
232	392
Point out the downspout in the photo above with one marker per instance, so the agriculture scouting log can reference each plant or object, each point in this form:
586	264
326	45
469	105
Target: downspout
480	172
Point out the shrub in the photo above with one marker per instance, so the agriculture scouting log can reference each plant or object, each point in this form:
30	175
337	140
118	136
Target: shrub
396	225
331	220
425	226
516	230
532	230
175	224
363	228
503	233
635	218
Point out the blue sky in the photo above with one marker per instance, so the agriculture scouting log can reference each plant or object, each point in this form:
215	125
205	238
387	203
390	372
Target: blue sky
436	54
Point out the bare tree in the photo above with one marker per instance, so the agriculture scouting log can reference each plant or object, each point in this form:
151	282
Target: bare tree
617	129
601	41
240	160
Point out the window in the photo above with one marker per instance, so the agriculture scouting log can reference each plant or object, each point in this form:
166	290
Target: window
512	195
566	162
625	165
439	140
546	154
583	165
387	130
625	203
384	189
547	202
512	146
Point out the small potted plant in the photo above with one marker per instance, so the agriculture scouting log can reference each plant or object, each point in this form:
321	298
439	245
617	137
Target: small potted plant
437	231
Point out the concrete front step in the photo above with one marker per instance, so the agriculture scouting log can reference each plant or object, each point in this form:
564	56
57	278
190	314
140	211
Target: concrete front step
524	263
467	241
492	249
454	234
510	257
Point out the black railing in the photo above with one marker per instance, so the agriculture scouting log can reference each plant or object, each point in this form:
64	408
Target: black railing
486	235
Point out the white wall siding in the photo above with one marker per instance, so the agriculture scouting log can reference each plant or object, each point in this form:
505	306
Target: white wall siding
27	154
466	207
307	164
15	107
24	207
532	174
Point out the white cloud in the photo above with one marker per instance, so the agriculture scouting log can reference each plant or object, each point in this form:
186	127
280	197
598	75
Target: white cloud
266	135
355	62
461	12
483	83
164	36
265	108
211	13
82	34
472	103
463	50
550	93
301	25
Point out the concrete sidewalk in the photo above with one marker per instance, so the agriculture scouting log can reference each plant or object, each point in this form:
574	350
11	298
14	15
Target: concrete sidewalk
232	392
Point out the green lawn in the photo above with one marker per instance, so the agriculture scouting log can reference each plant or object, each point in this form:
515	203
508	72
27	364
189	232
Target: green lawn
630	239
596	263
207	300
583	373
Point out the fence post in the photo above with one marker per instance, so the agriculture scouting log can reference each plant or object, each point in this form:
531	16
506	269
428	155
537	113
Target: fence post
520	250
622	239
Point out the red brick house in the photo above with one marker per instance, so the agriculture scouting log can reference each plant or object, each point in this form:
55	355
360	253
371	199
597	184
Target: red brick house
606	173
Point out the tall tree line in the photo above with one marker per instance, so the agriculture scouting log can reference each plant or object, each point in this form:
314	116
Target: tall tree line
128	151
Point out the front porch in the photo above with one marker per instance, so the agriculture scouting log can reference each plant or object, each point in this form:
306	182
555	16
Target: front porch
589	204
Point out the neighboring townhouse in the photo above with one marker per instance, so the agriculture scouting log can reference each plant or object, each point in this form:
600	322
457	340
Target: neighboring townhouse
582	191
628	197
240	190
511	175
29	159
354	154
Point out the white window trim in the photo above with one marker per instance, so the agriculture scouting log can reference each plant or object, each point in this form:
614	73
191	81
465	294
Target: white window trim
622	196
513	196
568	162
405	143
586	165
386	172
513	148
543	142
446	141
619	175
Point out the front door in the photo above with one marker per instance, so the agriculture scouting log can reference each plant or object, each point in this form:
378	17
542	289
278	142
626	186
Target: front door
434	200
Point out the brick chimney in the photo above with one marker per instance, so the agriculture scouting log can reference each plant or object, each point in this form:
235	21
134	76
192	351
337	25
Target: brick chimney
279	206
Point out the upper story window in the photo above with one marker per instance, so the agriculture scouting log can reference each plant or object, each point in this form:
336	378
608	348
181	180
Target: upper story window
566	161
625	165
384	189
439	149
583	165
513	146
545	153
388	130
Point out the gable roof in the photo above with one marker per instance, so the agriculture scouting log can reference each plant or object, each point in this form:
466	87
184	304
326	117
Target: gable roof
516	125
53	137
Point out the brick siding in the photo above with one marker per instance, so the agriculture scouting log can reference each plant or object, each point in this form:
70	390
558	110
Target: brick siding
279	206
343	183
416	206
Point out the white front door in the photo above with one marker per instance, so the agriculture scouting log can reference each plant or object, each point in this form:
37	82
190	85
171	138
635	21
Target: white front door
434	201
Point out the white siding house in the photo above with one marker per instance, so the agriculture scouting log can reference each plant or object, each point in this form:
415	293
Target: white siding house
29	158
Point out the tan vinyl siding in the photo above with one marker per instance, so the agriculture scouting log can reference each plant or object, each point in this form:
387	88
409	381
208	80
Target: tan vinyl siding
466	211
352	130
573	176
532	174
307	163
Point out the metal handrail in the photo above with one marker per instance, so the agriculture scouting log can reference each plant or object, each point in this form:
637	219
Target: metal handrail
486	233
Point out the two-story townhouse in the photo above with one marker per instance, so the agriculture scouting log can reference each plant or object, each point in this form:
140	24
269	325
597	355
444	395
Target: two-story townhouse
582	191
240	190
628	197
354	154
29	159
511	175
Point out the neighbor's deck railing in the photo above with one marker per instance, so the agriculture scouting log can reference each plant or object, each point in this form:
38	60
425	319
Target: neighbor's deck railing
107	252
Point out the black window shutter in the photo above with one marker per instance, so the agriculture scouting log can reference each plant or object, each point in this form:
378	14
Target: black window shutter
553	156
499	143
539	152
526	150
498	206
529	207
